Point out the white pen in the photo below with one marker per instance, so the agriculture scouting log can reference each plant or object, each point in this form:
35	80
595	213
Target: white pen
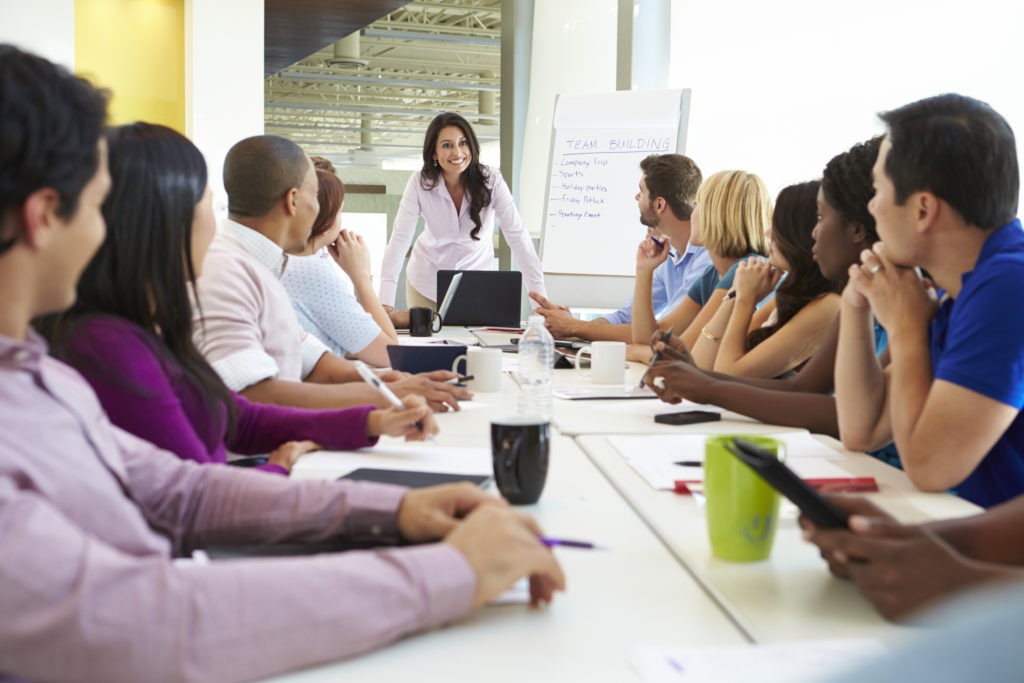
374	381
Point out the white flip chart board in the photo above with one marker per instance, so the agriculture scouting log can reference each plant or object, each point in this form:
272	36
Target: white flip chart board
591	220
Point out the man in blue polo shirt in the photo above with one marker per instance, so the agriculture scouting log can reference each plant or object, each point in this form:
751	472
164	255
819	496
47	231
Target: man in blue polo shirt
946	190
668	191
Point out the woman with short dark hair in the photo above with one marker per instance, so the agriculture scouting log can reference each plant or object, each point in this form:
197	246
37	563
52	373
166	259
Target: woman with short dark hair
331	286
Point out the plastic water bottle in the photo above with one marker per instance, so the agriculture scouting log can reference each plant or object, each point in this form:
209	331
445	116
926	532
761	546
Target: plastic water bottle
536	360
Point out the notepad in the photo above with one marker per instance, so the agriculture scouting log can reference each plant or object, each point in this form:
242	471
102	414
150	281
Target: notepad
414	479
602	392
654	457
393	455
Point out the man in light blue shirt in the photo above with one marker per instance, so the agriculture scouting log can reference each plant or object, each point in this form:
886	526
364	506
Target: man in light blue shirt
672	280
668	191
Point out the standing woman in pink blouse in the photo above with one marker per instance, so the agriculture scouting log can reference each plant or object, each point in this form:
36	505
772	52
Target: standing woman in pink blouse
459	199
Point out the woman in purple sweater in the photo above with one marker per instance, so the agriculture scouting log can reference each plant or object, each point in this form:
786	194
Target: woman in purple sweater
130	331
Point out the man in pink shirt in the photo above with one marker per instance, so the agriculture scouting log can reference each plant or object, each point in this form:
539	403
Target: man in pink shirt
92	517
245	324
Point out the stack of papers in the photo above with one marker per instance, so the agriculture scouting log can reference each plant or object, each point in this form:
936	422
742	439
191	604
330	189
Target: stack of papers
656	457
783	663
393	454
603	391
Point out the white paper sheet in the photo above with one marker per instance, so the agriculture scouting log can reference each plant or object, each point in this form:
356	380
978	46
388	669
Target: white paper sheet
603	391
423	458
447	340
463	407
518	594
801	662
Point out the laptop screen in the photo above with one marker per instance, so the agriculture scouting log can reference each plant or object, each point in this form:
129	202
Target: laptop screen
482	297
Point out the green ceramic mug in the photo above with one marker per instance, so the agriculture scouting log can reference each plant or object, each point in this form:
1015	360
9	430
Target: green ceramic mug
742	510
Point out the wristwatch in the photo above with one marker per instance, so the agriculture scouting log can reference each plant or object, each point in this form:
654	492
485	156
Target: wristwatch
731	294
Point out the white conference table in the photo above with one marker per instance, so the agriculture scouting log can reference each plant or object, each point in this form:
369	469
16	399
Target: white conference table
657	585
634	593
788	597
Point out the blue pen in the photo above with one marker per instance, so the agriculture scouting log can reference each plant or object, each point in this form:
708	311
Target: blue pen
657	241
374	381
566	543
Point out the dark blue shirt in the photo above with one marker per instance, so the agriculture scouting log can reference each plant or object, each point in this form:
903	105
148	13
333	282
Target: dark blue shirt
888	453
704	286
977	342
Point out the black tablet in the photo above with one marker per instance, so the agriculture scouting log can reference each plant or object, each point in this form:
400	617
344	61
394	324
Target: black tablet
414	479
687	417
414	358
824	514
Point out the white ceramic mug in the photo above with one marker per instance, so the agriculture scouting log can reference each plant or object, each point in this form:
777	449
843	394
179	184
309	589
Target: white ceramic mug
485	367
607	361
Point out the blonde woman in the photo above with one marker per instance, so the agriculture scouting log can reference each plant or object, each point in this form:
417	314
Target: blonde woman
732	213
782	334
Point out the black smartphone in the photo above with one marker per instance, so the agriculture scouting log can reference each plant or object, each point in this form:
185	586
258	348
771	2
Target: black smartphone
559	344
687	417
249	461
824	514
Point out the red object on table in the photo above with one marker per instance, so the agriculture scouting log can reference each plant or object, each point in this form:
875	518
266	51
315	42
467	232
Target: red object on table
834	485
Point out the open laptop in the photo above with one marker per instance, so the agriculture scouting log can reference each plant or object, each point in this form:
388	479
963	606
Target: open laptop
480	297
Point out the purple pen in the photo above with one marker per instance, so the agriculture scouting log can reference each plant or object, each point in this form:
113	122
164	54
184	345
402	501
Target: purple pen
566	543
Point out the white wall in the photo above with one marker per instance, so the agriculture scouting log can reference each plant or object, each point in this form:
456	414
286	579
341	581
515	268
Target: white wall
223	66
43	27
780	88
573	51
223	79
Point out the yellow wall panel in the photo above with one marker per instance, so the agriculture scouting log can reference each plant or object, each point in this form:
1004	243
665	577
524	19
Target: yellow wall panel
137	49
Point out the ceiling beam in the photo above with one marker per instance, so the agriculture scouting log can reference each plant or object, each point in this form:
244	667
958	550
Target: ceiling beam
445	27
407	63
410	112
345	129
381	99
390	34
357	144
387	81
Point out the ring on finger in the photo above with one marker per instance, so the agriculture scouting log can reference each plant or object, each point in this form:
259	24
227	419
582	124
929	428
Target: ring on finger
873	269
659	382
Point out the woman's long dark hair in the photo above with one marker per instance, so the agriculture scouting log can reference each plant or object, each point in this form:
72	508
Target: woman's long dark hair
143	270
474	178
793	221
